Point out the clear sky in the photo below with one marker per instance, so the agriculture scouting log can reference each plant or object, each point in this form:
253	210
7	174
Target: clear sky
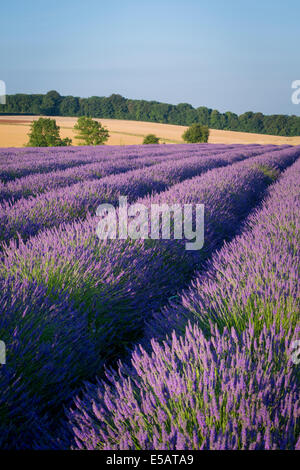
231	55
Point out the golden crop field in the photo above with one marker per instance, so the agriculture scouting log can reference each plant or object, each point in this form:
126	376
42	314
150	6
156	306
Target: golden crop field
14	130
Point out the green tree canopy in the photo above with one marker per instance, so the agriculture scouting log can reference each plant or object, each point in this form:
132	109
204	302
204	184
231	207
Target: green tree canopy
69	106
90	132
151	139
118	107
45	133
196	133
50	103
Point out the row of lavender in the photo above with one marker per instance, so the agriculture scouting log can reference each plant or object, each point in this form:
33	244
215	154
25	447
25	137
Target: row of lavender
28	155
228	381
37	183
51	159
69	302
30	215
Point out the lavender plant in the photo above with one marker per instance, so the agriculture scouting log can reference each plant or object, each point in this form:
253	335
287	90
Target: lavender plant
255	276
28	216
16	163
104	165
227	392
70	302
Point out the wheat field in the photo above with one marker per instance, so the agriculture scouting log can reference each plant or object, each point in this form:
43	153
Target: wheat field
14	132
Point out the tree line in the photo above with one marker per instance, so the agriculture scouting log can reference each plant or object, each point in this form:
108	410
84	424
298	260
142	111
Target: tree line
118	107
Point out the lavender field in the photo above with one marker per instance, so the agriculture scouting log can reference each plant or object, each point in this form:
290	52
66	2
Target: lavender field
141	344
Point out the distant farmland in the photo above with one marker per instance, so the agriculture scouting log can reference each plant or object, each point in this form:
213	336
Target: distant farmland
14	130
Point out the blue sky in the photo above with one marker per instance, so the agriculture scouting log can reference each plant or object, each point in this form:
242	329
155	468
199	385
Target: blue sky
235	55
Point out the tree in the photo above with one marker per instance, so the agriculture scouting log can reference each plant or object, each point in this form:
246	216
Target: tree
45	133
90	132
185	114
151	139
203	115
196	133
50	103
69	106
216	119
232	121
